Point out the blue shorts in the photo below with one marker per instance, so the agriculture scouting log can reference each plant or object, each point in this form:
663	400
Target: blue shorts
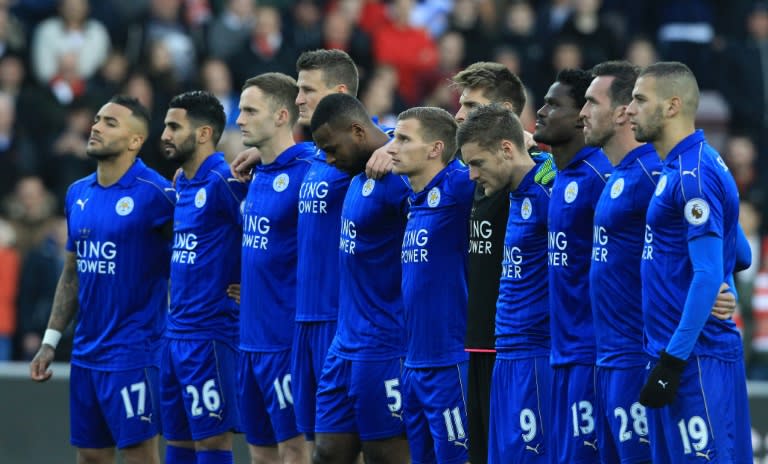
519	424
709	419
266	401
435	413
620	421
361	397
574	440
310	348
198	389
109	408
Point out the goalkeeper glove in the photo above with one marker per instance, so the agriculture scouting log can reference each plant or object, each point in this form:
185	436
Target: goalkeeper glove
661	387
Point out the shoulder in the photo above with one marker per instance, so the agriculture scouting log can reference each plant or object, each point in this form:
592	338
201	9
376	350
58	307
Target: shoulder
151	182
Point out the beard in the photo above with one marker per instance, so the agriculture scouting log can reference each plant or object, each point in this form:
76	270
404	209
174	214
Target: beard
103	152
180	154
597	139
651	130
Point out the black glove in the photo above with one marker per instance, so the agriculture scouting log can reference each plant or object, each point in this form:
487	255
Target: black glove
661	387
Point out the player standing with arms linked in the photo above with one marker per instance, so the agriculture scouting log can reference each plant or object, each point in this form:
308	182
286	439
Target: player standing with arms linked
483	83
581	175
199	359
115	278
696	392
359	400
269	253
435	301
492	143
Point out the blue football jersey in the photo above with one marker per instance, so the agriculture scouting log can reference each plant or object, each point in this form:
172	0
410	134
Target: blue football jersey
373	217
321	197
434	260
268	284
122	266
522	310
569	247
206	253
617	246
695	196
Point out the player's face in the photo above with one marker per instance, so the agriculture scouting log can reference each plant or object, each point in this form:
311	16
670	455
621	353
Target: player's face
179	137
645	112
487	167
597	113
408	149
257	119
342	150
112	128
468	101
312	89
558	122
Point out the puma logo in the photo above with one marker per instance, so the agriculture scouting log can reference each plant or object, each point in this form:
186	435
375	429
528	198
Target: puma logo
147	418
399	415
216	415
81	203
534	449
643	440
591	444
464	444
704	455
691	173
663	384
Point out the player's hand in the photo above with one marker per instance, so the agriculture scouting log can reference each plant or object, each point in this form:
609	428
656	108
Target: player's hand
39	368
662	384
176	176
243	163
725	304
379	165
233	291
528	139
546	170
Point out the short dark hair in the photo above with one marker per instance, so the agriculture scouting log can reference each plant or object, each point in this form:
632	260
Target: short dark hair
678	79
624	76
138	110
498	83
578	80
336	65
436	124
488	125
338	109
203	108
281	89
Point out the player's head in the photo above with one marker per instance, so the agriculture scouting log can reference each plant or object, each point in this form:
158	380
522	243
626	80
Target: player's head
194	119
120	126
665	91
340	126
558	121
322	72
423	136
492	144
607	98
266	107
486	82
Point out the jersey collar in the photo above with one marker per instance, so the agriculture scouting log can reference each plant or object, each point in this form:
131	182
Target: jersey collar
127	179
284	158
684	145
207	165
634	154
582	154
451	166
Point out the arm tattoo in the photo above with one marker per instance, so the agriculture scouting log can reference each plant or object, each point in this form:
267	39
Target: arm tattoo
65	300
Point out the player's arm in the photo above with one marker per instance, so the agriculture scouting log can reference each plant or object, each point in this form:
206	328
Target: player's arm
743	250
725	304
64	308
706	254
243	163
379	165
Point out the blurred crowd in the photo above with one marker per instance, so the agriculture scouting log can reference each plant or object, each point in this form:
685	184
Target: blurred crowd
61	59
